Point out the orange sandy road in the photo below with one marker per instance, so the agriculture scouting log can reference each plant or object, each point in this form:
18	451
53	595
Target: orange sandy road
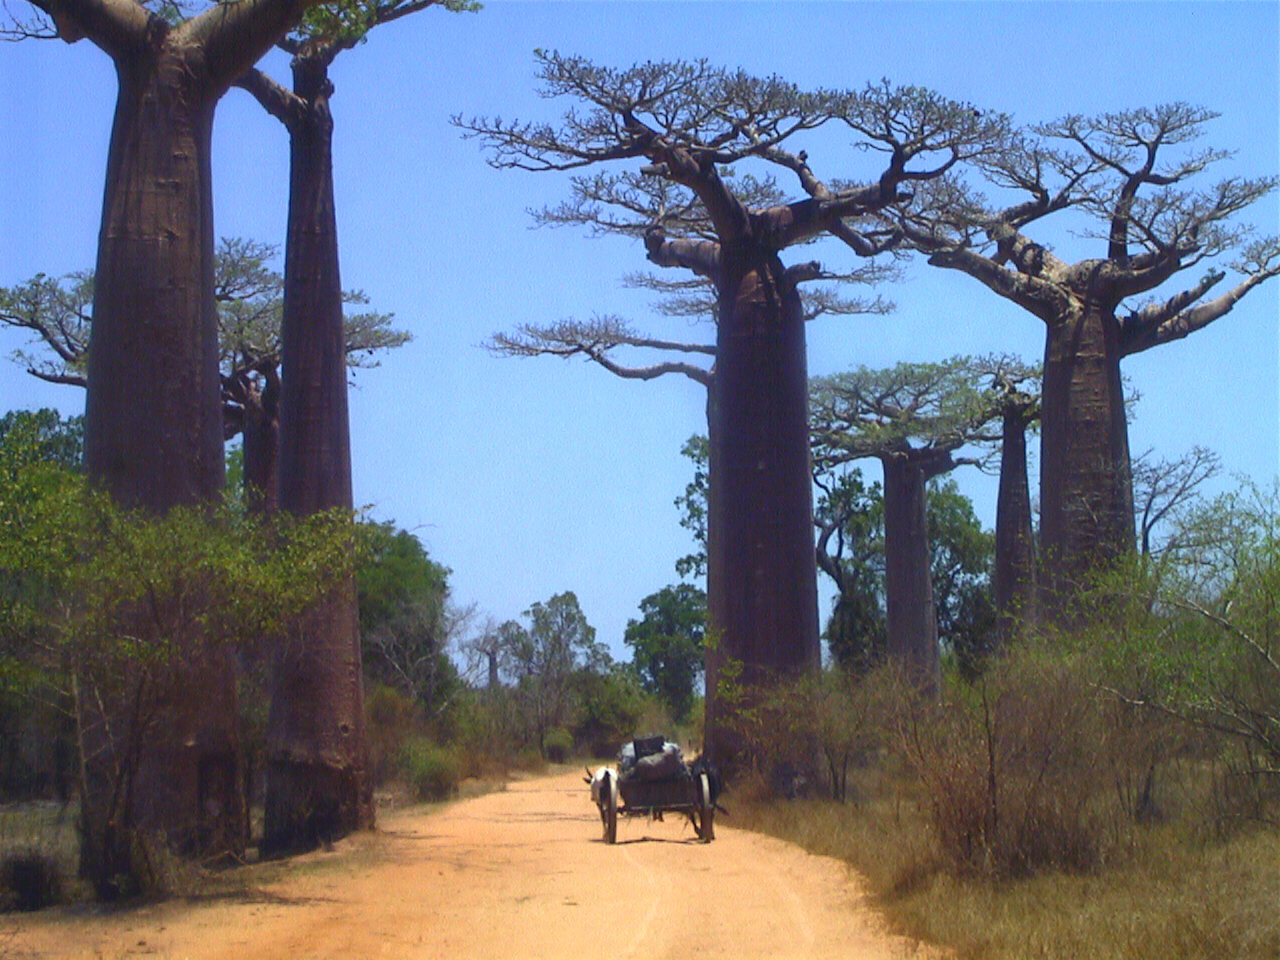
520	874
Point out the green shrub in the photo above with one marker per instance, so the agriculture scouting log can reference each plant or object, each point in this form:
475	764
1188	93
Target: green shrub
432	771
391	720
557	745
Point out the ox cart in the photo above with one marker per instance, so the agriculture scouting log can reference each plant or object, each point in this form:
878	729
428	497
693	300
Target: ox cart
687	789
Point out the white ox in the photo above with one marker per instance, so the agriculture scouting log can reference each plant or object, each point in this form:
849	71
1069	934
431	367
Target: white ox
598	779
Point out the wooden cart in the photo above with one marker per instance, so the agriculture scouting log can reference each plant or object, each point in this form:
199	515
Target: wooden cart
689	794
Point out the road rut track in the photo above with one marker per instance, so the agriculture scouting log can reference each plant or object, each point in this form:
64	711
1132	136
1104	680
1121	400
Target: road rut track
520	874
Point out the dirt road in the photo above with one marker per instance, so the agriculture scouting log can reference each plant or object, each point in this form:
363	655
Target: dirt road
520	874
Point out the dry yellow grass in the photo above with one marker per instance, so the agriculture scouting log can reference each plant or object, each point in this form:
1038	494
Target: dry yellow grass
1172	897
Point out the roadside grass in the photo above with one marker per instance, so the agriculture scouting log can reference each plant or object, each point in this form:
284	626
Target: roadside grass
1175	894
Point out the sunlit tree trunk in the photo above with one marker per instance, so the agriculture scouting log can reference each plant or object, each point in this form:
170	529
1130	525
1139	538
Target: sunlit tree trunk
763	612
318	785
1014	576
1086	495
911	619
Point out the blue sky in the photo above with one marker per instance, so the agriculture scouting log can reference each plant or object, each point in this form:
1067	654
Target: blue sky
529	477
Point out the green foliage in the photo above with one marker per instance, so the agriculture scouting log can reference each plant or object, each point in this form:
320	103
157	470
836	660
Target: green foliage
347	23
667	645
962	554
432	771
47	436
608	707
693	506
543	659
394	572
105	612
850	520
1196	633
406	620
935	406
557	745
850	517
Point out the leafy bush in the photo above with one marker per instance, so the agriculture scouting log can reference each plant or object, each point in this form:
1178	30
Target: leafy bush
432	771
836	717
557	745
1022	769
609	707
391	719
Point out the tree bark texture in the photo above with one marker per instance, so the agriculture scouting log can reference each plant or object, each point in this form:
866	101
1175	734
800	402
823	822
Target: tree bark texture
1014	577
762	581
153	428
1086	493
911	619
318	785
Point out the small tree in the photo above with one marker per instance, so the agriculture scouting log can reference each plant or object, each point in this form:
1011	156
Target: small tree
850	521
1199	637
406	619
913	418
543	657
667	645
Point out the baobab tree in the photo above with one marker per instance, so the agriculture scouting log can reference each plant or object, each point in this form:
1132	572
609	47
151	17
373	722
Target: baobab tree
1131	172
58	312
155	329
318	785
675	127
1015	387
914	419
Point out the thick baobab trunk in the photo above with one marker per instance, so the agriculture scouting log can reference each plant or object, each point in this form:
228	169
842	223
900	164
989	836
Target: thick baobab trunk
153	428
1014	577
763	611
318	786
1086	494
154	441
911	619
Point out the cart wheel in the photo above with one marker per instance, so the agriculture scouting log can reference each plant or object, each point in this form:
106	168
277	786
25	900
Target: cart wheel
609	808
704	816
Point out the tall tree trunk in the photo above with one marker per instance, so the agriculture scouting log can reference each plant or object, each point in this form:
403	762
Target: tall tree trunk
260	435
763	612
154	430
1086	493
318	783
1015	571
153	427
910	615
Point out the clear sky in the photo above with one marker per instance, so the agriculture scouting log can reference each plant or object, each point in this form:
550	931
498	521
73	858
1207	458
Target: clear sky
530	477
